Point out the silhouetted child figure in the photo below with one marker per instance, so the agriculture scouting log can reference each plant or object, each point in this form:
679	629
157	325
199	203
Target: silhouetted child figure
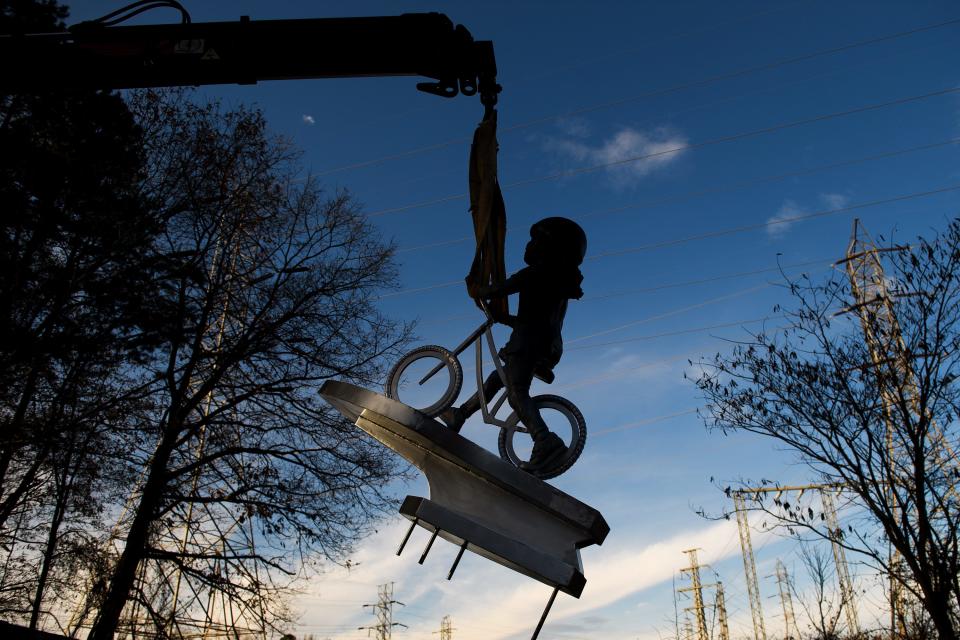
554	253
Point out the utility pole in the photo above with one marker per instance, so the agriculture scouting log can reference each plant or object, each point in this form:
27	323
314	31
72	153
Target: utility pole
722	613
383	610
446	628
696	587
789	621
749	566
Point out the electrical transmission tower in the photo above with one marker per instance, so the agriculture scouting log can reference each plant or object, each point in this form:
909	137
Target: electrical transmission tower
699	616
201	536
840	561
446	628
749	566
872	301
721	604
835	534
383	610
893	367
789	621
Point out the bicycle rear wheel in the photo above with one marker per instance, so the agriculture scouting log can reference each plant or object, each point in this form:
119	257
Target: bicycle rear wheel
564	418
406	384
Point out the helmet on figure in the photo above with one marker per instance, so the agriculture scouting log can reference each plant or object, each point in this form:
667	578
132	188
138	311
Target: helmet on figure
556	240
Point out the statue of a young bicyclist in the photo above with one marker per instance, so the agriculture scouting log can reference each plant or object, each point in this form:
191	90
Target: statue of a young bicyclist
554	253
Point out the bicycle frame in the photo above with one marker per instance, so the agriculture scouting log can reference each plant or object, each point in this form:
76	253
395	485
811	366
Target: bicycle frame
486	329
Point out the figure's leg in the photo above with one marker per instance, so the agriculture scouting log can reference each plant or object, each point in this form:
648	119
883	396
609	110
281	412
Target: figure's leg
547	446
454	417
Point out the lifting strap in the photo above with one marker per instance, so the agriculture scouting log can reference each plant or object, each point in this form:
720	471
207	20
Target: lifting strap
489	214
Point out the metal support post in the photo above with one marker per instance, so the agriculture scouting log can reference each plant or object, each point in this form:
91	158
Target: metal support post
456	562
423	556
543	618
413	525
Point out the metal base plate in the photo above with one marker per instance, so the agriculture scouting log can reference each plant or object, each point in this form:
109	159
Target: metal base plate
501	512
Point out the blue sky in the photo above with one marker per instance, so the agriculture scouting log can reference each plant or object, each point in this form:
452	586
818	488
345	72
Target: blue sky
585	85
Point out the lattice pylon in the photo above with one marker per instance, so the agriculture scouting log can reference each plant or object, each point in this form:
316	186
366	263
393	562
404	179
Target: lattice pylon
847	598
791	632
446	628
749	567
721	605
699	615
383	611
894	369
868	285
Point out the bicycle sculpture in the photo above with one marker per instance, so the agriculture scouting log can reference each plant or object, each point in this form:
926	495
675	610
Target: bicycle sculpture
402	385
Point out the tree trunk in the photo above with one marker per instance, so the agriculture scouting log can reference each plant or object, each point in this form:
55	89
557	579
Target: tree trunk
939	609
48	554
64	487
124	574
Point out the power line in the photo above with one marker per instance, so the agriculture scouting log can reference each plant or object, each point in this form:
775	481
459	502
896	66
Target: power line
674	333
647	204
687	283
723	232
773	178
668	314
650	94
567	173
642	423
628	292
772	223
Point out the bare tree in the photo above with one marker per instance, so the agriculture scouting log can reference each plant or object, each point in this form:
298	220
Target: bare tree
820	601
247	472
876	416
76	262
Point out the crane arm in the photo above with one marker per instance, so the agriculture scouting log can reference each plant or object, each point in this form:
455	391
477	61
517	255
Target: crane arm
92	55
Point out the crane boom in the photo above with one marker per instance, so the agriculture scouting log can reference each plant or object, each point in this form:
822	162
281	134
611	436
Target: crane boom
92	55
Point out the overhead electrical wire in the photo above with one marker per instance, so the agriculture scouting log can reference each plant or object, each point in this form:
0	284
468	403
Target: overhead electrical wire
770	223
723	232
654	93
641	423
720	189
668	314
686	283
661	287
618	294
618	374
685	147
668	334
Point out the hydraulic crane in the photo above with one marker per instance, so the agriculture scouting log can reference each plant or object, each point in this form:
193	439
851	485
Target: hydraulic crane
101	55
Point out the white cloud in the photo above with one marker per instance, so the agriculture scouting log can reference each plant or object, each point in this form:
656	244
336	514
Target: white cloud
834	200
488	601
308	119
628	155
779	223
574	127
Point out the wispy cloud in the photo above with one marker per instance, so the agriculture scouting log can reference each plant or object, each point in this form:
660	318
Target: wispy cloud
482	587
308	119
630	153
783	220
834	200
779	223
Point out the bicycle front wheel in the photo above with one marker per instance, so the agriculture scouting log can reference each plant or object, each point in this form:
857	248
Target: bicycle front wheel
410	381
563	418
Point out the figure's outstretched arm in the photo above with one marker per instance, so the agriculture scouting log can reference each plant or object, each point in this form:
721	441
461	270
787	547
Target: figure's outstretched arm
511	285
